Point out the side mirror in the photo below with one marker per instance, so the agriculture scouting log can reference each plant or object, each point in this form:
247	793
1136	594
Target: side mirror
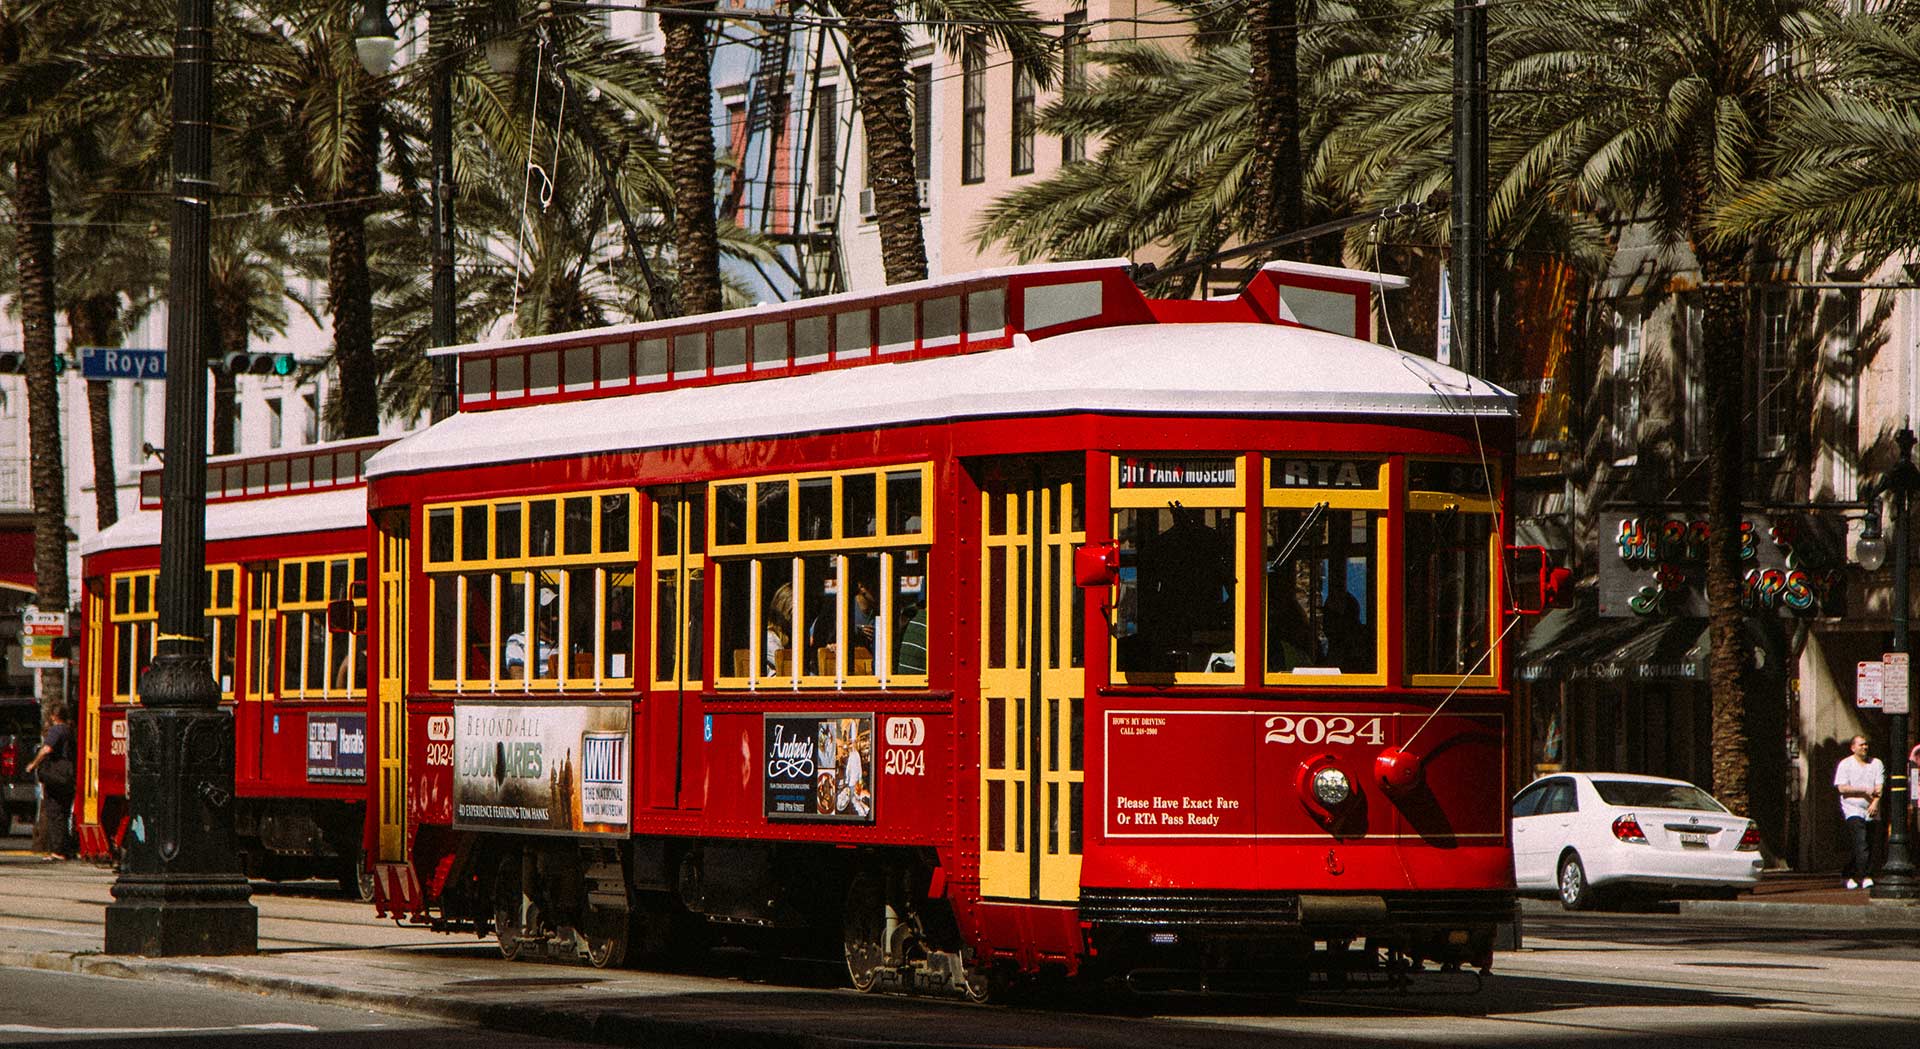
1096	565
1534	585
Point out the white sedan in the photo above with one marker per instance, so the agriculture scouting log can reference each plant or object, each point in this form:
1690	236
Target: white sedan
1590	835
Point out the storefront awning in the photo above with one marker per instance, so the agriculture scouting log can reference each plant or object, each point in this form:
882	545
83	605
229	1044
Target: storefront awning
1577	644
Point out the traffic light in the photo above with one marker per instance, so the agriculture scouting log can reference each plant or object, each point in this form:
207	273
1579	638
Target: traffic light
257	364
13	362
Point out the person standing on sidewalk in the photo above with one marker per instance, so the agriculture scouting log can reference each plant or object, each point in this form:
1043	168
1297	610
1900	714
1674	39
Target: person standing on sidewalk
53	766
1859	780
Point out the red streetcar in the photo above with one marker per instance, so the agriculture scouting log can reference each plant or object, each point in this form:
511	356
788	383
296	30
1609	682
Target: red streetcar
286	629
1007	623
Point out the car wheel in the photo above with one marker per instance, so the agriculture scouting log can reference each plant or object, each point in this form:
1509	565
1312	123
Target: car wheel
1576	893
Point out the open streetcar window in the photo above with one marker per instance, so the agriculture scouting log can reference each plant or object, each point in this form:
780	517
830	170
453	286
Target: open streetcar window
533	594
823	594
316	661
1176	609
1451	592
1324	536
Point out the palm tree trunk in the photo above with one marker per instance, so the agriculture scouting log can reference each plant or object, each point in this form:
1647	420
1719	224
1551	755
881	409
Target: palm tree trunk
350	288
1274	38
95	321
33	246
690	135
232	333
880	78
1723	332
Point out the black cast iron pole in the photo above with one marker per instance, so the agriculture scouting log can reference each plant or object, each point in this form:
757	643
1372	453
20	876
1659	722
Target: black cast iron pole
439	34
180	889
1896	880
1471	301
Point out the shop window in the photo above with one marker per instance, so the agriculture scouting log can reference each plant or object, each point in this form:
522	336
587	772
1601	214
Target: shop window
1176	610
821	597
1324	532
1449	584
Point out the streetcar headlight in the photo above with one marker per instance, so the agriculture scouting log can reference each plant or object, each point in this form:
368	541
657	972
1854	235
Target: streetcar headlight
1331	787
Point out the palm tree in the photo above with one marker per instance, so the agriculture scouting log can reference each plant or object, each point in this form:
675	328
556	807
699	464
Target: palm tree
685	86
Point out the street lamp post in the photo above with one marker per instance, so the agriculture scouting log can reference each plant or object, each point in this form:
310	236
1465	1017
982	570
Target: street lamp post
1896	880
375	42
180	889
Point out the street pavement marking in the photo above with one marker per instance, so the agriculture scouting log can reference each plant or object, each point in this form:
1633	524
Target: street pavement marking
30	1029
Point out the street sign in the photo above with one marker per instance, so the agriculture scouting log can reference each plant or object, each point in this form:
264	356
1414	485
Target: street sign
1895	686
35	623
113	362
1868	684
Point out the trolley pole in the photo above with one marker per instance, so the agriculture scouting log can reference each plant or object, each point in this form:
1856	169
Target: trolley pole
180	890
1471	302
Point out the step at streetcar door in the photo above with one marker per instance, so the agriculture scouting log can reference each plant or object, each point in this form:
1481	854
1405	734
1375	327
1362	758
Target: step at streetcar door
1032	683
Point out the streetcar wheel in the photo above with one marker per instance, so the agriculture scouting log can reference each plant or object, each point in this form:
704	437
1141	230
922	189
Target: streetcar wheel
511	912
356	879
863	932
1576	893
606	936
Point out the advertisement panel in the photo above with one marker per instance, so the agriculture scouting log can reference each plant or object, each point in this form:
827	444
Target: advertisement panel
819	768
336	748
549	768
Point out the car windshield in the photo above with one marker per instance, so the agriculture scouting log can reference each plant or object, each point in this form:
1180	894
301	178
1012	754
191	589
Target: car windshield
1634	794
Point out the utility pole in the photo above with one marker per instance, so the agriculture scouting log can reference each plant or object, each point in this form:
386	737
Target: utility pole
1472	301
439	55
180	889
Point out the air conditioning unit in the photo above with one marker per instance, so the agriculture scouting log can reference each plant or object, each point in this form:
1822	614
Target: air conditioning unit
867	210
824	207
924	187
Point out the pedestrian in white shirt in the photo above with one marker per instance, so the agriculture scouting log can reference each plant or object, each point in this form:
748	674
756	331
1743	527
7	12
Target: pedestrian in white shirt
1859	780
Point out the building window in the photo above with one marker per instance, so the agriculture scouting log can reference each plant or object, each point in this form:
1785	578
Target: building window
826	138
973	115
1073	77
1022	157
310	422
533	593
1695	408
275	422
1773	389
923	123
823	579
135	394
1843	394
1626	380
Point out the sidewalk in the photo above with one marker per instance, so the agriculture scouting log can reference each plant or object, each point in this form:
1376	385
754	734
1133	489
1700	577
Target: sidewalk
1815	900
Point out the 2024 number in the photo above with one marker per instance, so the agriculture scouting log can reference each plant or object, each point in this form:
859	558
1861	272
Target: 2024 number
1312	730
904	762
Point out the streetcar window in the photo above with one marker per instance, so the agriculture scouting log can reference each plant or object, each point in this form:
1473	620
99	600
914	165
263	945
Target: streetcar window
476	379
852	335
729	350
543	371
940	321
616	533
1175	610
1449	599
1322	610
652	365
690	355
666	621
903	502
509	376
473	533
578	368
440	535
907	617
729	515
987	313
513	626
810	339
821	610
616	364
579	531
506	530
771	503
446	627
540	528
857	505
896	327
769	345
816	508
616	625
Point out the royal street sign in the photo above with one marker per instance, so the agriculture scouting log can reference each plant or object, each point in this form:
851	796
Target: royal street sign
112	362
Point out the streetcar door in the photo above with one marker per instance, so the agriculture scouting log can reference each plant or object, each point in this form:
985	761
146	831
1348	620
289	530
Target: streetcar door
391	784
673	711
263	600
1032	685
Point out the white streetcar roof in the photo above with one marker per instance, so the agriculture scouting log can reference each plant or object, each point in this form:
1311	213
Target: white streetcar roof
246	518
1160	369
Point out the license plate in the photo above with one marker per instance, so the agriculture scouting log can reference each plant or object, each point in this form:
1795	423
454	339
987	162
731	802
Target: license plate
1694	841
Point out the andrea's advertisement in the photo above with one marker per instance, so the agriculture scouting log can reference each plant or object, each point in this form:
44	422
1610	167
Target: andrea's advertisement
548	768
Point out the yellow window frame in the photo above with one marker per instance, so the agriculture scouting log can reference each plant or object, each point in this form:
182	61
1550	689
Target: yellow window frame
1423	501
1234	499
1379	498
681	564
840	547
224	618
554	571
355	687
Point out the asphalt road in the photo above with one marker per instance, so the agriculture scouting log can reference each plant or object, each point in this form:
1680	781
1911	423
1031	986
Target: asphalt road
1622	980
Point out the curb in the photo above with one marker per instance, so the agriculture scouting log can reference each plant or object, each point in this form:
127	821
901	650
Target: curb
1886	915
584	1025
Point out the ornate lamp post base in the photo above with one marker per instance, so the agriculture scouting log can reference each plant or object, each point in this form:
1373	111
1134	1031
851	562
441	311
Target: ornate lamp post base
180	891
